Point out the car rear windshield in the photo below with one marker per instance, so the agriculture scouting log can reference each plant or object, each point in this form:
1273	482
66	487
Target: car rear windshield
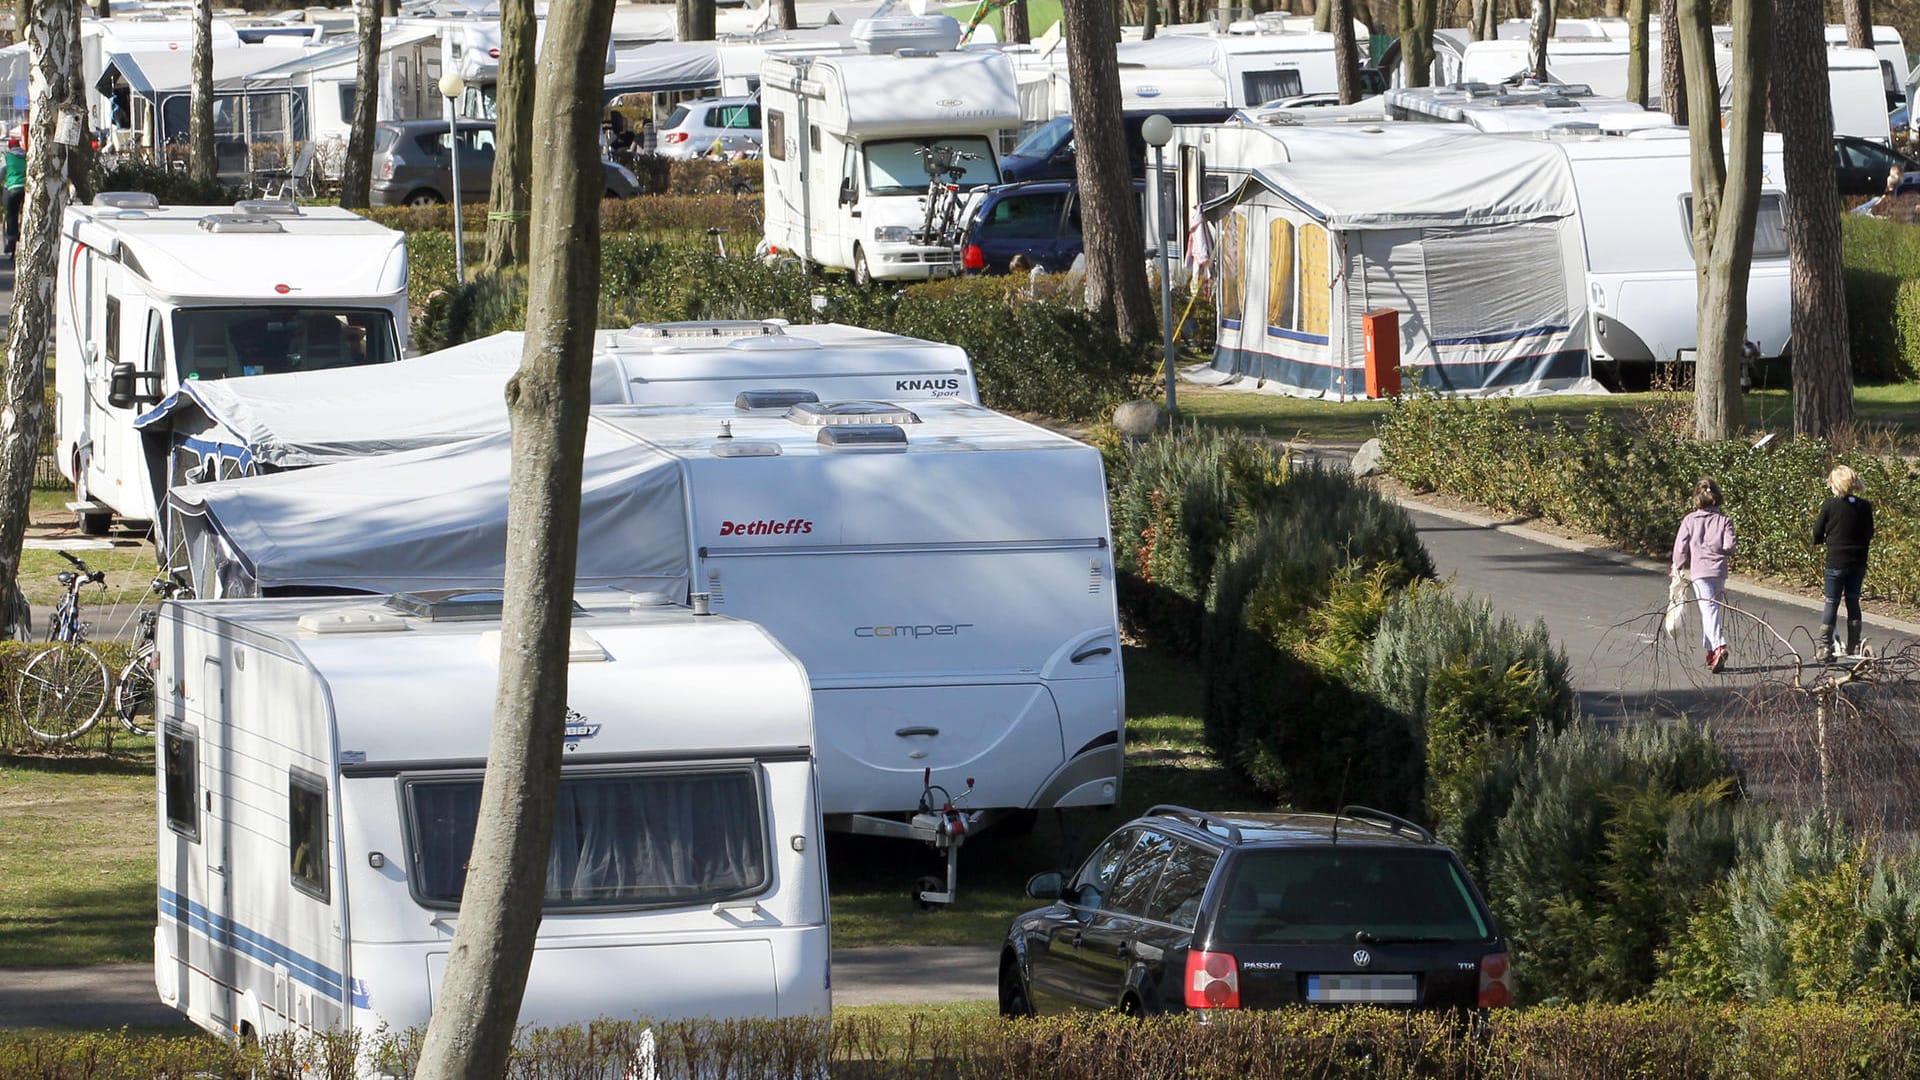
221	343
638	838
1046	138
1334	893
677	117
384	138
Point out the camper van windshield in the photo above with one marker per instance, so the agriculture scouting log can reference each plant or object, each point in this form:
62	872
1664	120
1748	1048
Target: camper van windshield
894	168
620	839
220	343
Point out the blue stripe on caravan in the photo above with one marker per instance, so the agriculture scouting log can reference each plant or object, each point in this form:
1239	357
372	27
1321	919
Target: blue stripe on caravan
1323	377
226	933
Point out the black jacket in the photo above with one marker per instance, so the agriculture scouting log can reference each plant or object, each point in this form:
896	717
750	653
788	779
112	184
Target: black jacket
1845	525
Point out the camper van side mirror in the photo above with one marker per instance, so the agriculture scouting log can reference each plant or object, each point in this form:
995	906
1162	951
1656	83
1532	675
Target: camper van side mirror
127	387
846	192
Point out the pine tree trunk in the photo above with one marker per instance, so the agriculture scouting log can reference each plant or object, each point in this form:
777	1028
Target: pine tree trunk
511	193
1346	52
696	19
1482	15
1416	41
1637	19
1673	74
1109	211
1859	19
789	18
1019	27
201	164
51	81
1613	9
356	173
547	402
1822	372
1149	22
1323	16
1538	34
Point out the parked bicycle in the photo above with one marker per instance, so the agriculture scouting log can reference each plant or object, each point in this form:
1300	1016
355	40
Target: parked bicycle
133	695
63	689
946	207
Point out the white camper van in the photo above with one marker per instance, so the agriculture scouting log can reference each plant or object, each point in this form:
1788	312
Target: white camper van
944	572
846	183
1891	51
151	298
319	779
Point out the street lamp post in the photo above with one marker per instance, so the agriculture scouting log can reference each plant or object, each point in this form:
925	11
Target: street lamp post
1158	130
452	86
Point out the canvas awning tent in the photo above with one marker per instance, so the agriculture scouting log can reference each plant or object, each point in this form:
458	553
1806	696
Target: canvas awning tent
1474	242
159	84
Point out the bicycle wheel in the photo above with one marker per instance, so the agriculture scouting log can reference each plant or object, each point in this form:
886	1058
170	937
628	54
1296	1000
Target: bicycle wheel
62	692
133	694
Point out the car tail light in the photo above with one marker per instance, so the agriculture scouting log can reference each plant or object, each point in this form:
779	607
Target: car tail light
676	137
1213	981
973	258
386	169
1495	991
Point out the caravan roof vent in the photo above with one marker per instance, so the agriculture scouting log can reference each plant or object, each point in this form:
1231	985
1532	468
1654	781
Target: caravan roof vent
267	208
739	448
351	621
708	328
240	223
862	437
822	414
452	605
127	200
748	400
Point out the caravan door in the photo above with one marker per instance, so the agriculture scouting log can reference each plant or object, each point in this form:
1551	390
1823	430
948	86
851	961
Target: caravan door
215	822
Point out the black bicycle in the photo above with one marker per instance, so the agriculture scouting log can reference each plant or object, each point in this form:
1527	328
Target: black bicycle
946	207
64	688
133	694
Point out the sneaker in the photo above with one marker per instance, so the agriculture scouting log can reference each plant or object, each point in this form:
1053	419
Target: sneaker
1717	659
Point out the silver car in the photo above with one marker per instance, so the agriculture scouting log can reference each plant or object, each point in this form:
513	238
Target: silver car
411	165
731	125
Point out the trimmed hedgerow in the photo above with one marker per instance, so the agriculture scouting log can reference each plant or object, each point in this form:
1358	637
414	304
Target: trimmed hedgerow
1882	266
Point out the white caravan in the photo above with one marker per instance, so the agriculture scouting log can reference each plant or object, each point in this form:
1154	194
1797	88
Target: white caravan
319	778
1189	71
1891	51
944	572
846	182
151	298
1528	106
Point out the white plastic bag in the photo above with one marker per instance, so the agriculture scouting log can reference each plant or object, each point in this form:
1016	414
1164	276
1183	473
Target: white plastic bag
1679	593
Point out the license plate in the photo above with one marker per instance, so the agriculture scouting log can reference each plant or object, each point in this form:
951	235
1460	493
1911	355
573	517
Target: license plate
1362	989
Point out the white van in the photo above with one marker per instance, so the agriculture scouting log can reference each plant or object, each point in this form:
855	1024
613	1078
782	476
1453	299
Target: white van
1891	50
152	298
846	183
319	775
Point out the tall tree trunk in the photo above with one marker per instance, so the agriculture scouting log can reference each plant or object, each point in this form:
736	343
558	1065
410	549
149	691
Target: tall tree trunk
1482	17
1323	16
80	155
513	138
102	9
51	88
356	173
201	164
547	402
1638	12
1346	52
1822	372
1109	211
1416	41
1673	74
1726	201
1538	34
1613	9
789	18
1019	27
1149	22
1859	19
695	19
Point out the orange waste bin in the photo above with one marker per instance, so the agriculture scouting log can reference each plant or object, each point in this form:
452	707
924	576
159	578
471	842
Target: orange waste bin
1382	330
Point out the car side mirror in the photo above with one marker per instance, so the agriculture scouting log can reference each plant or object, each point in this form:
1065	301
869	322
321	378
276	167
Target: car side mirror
127	387
1048	886
847	192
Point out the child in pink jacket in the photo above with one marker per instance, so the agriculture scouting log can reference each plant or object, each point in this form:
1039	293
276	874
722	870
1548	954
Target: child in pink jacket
1704	545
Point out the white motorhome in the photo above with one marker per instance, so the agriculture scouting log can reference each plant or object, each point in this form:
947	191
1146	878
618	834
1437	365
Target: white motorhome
846	182
150	298
1892	53
319	778
944	572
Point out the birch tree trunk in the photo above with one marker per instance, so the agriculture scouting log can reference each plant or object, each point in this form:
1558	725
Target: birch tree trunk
1726	201
201	164
1673	74
1822	371
1346	51
1109	214
547	401
52	82
356	173
79	155
512	194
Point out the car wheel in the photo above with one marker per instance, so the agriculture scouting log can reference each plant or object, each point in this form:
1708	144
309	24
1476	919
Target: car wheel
861	275
425	197
1014	1001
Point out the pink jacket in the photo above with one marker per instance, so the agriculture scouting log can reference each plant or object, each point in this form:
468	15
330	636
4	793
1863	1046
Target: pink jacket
1704	544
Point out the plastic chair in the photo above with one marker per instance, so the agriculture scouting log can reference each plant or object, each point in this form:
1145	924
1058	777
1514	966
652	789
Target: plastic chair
290	183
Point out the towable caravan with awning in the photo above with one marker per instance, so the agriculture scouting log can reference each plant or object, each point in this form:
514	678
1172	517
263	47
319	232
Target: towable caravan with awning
319	771
151	299
944	572
1475	244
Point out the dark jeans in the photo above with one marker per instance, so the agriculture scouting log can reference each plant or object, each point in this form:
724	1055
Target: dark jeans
15	196
1843	583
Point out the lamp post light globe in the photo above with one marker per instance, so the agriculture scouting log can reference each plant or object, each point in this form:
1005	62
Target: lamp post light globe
452	87
1157	130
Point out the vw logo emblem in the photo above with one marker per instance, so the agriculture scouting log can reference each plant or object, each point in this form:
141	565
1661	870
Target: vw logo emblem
1361	958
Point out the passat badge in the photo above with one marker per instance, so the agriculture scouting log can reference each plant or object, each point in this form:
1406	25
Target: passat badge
1361	958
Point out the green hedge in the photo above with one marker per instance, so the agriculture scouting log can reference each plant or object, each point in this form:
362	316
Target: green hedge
106	734
1882	271
1632	486
1651	1041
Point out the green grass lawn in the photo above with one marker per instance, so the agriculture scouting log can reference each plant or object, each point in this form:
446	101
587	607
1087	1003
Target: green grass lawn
77	861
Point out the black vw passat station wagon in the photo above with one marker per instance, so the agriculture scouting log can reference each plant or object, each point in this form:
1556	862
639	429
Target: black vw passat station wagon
1181	909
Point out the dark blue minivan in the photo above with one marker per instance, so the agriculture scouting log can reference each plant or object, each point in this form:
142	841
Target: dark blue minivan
1047	152
1039	219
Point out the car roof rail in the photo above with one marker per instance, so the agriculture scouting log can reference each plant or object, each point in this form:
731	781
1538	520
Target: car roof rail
1198	817
1379	817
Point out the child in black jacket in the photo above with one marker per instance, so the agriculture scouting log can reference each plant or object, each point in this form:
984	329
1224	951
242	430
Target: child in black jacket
1845	526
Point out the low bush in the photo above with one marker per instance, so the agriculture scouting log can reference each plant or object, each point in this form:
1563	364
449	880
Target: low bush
171	187
1632	484
106	732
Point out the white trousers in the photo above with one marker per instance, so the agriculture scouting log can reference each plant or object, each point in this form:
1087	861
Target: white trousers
1708	591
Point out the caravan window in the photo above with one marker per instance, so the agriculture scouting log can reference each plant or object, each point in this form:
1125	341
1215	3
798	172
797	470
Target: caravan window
220	343
113	330
894	166
1770	226
156	343
776	141
180	766
621	839
1265	86
307	833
